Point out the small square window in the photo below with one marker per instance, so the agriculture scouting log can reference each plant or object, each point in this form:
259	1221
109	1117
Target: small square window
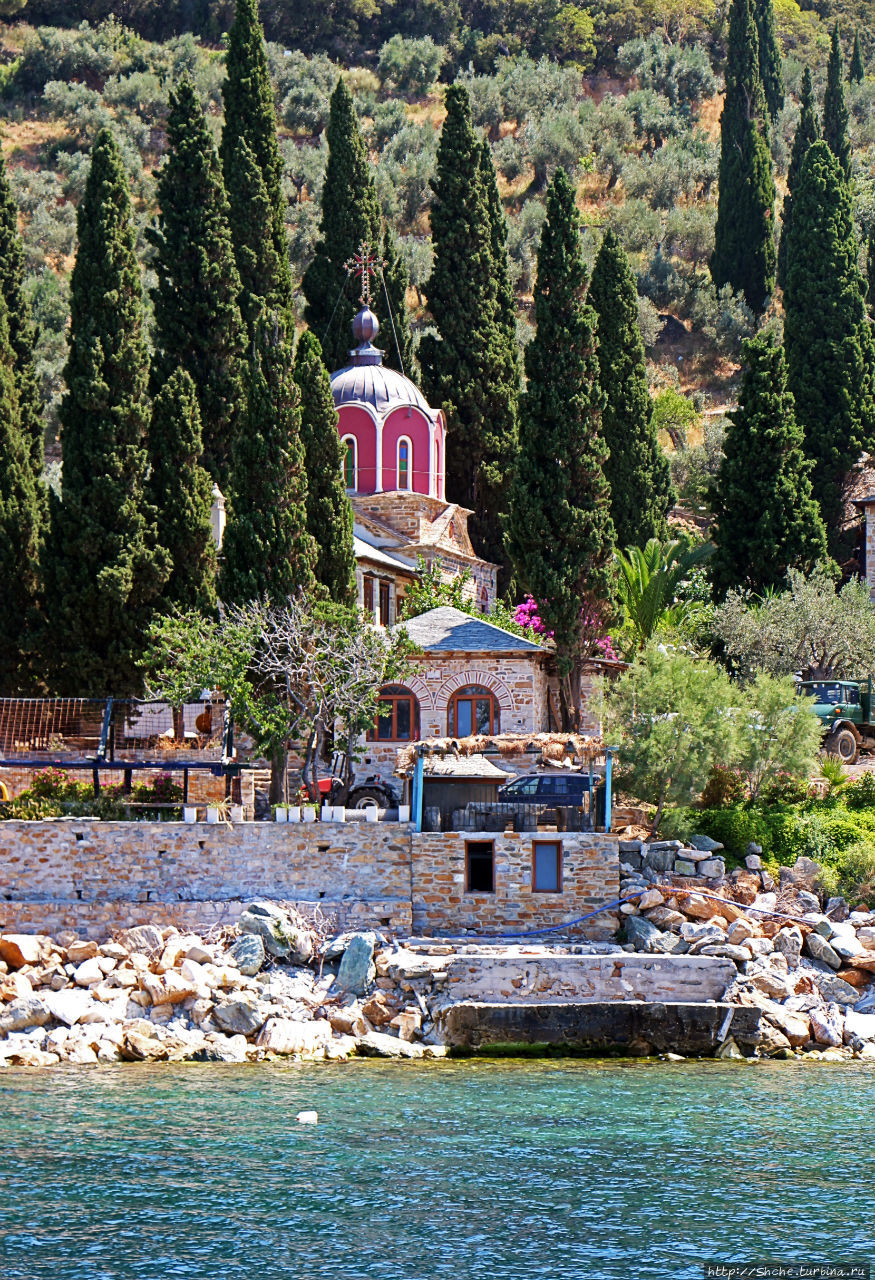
547	866
480	866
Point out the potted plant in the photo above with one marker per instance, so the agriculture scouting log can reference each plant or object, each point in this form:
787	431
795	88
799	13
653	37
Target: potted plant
280	813
189	813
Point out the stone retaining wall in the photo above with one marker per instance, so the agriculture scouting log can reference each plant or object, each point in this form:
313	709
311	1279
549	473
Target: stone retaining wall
96	876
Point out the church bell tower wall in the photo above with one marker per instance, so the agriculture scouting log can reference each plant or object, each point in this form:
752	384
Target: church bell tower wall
407	426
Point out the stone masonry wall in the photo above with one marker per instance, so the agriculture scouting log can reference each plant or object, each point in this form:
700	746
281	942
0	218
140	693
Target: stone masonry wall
96	876
590	879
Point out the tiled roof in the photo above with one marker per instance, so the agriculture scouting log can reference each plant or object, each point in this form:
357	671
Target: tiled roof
451	629
367	551
474	768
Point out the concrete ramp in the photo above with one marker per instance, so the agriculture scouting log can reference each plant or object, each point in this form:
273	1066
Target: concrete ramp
600	1027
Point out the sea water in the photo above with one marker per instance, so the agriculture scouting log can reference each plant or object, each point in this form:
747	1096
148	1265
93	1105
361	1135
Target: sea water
500	1170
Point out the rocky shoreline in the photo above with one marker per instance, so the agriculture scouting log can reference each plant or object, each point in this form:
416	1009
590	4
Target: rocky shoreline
808	963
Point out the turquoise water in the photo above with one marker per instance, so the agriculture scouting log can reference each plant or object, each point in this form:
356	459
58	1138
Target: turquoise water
546	1170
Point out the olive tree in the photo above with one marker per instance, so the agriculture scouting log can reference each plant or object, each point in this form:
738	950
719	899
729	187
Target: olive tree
811	628
778	733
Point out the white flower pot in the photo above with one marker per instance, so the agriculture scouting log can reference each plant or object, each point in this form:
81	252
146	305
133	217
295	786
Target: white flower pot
280	814
309	814
212	815
340	813
372	813
236	812
327	814
295	813
189	813
404	813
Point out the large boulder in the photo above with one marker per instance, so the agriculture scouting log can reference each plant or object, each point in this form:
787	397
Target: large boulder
145	938
19	949
831	987
642	933
789	942
303	1039
29	1012
282	936
378	1045
241	1016
357	971
803	875
827	1026
819	949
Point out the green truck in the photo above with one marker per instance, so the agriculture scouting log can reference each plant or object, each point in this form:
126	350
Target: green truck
844	708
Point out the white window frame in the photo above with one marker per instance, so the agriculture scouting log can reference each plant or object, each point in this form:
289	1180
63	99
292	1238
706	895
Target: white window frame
345	440
408	488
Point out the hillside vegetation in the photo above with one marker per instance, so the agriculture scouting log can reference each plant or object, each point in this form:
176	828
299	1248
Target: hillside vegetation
637	127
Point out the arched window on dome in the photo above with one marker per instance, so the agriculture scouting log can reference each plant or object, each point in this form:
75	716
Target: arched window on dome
404	469
473	709
350	462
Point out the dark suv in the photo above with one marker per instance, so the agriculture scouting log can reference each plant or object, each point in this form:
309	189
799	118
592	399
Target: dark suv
547	788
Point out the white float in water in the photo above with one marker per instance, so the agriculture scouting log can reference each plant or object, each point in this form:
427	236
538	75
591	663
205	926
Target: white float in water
307	1117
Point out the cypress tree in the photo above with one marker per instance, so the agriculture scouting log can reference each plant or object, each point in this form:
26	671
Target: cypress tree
329	512
498	244
104	568
856	71
181	492
559	531
870	271
466	369
767	520
396	282
350	217
827	334
267	550
21	525
807	131
744	241
250	115
835	108
21	336
771	66
197	315
636	468
257	260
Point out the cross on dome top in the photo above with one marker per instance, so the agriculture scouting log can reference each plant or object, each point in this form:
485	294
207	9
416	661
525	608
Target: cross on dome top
365	264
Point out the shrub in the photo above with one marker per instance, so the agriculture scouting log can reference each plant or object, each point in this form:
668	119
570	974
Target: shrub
86	53
681	72
724	787
303	88
410	66
860	794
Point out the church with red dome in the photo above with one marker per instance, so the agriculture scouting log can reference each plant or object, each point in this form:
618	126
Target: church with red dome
394	466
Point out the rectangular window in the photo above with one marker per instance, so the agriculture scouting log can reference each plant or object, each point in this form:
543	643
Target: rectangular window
368	606
384	604
480	866
546	866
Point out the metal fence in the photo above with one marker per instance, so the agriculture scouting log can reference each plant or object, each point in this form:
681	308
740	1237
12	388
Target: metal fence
122	732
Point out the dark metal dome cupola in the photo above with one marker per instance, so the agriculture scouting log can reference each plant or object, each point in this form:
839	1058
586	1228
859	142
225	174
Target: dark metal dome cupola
365	327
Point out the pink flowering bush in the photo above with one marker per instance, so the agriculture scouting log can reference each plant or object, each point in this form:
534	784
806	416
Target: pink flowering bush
526	614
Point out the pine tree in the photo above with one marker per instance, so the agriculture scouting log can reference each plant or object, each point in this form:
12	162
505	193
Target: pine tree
395	284
559	531
835	108
807	131
770	62
466	369
870	271
267	550
104	568
198	326
767	520
21	525
329	513
181	492
636	469
350	217
856	71
827	334
13	270
744	240
250	115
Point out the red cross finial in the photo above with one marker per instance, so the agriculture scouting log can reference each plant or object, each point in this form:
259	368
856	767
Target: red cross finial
364	264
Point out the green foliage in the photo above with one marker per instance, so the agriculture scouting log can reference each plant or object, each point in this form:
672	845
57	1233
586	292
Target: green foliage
827	335
85	53
856	69
778	733
198	326
410	66
676	415
396	281
267	549
744	241
104	569
468	367
832	772
559	530
835	107
636	468
650	585
681	73
771	71
329	513
350	217
766	519
250	119
303	88
672	717
21	334
810	627
860	793
725	786
807	131
181	493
